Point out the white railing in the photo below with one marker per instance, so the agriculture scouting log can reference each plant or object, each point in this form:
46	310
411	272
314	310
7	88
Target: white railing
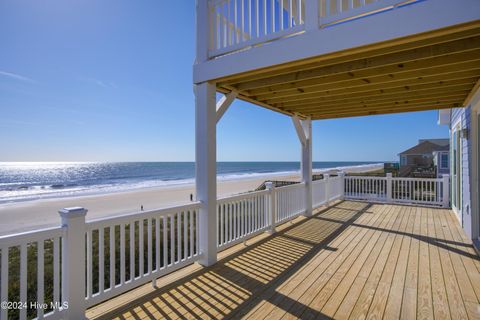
239	24
34	254
149	244
96	260
319	195
366	188
240	217
433	192
290	202
418	191
327	189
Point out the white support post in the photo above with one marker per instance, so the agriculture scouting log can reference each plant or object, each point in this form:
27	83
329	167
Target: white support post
446	190
304	133
306	166
342	184
273	206
326	177
73	262
312	15
205	169
224	103
389	188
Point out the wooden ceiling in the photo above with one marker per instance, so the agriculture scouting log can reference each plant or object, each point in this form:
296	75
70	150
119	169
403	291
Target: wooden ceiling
433	70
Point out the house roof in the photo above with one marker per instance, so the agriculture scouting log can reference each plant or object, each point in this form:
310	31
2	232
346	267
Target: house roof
424	148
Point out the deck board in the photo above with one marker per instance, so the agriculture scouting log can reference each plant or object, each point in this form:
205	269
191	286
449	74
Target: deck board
349	261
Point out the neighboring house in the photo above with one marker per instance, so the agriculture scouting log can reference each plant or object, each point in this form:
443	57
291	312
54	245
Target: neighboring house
441	161
464	162
428	154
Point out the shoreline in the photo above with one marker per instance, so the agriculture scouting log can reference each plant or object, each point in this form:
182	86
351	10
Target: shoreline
40	213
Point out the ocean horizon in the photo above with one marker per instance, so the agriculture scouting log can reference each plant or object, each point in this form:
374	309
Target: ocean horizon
22	181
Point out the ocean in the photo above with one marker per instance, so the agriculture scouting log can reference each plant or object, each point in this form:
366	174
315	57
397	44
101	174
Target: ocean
20	181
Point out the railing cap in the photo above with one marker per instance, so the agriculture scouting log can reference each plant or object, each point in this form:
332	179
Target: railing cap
73	212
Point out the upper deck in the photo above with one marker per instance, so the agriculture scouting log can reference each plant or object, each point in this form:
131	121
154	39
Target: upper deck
263	48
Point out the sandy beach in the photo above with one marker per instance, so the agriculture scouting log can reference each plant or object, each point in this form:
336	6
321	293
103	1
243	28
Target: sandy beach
28	215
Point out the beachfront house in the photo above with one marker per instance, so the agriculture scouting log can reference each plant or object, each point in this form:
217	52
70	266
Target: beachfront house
429	158
339	247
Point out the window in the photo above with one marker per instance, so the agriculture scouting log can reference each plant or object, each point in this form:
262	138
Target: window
444	161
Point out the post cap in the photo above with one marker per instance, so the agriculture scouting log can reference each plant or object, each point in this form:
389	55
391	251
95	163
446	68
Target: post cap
72	212
269	185
389	175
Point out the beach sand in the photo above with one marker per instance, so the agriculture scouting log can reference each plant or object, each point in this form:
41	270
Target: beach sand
28	215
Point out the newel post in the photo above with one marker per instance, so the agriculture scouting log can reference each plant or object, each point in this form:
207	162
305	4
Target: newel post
326	177
73	261
389	187
272	206
446	190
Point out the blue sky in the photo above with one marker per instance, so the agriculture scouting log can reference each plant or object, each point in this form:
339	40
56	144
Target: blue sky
89	80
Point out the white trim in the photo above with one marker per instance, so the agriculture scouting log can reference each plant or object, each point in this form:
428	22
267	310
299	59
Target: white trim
300	129
475	165
456	127
224	103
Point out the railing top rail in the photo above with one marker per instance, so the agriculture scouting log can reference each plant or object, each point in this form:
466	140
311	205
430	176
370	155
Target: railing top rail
417	179
292	186
128	217
241	196
365	177
31	236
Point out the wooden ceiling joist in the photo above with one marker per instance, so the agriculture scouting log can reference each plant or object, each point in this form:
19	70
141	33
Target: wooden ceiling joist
418	83
432	70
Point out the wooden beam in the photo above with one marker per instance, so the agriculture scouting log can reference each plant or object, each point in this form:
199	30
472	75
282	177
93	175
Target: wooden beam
412	41
382	81
475	88
457	97
407	69
396	58
256	102
384	111
441	91
396	86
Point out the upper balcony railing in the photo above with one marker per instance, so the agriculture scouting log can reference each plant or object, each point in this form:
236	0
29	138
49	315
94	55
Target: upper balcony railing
241	24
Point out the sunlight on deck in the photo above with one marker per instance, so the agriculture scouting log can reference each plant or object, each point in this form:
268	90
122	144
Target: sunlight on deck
352	260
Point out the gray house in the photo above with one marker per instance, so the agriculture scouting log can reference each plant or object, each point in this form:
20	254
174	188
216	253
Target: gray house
429	156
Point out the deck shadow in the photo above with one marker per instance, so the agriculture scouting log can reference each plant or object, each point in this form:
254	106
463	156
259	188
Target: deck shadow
233	286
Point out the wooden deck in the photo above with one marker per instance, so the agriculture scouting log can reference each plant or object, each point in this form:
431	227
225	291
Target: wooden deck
352	260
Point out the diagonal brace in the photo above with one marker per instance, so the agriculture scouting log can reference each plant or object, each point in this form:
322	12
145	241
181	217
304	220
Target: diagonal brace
301	129
224	103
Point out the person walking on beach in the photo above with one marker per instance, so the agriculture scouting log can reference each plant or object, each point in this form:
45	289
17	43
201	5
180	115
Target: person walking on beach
191	197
